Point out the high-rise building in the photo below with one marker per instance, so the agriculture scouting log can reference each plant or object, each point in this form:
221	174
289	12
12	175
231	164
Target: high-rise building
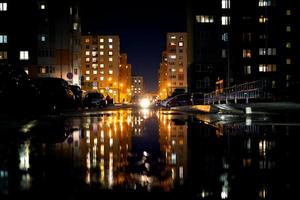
243	41
163	77
125	78
100	61
176	54
137	87
42	37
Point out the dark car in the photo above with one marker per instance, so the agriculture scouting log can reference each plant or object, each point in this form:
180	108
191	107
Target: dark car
77	93
94	99
55	94
17	93
178	100
198	98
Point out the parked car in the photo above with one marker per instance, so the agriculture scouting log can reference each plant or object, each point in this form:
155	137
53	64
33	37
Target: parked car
77	93
17	93
94	99
178	100
197	98
55	94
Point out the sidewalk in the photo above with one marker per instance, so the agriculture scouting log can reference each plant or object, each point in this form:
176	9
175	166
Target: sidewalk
255	108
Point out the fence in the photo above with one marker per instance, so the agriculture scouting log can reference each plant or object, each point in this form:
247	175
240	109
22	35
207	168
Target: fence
246	91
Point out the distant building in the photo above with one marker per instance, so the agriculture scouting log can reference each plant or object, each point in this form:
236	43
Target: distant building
125	78
42	37
163	77
100	61
176	56
137	87
242	41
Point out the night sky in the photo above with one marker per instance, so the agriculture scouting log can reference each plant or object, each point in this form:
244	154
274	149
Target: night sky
142	28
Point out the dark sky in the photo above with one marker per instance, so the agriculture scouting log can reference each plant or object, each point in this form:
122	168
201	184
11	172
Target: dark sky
142	28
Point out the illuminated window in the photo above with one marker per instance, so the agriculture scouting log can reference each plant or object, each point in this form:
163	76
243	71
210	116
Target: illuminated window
101	40
172	56
262	19
101	53
172	43
180	44
110	40
101	46
87	72
87	59
225	37
110	71
288	28
264	3
173	70
246	53
225	20
262	36
43	38
3	39
43	70
94	53
110	53
180	69
75	26
247	69
87	40
87	53
3	6
271	51
173	158
267	68
110	59
288	12
101	65
101	71
288	45
101	78
87	78
3	55
94	65
173	36
43	6
204	19
225	4
24	55
94	71
288	61
110	46
94	59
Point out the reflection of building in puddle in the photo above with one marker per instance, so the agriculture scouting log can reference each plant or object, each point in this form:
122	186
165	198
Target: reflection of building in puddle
248	147
102	146
24	164
173	141
138	118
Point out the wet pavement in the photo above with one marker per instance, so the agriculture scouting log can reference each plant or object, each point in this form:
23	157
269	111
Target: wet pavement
133	153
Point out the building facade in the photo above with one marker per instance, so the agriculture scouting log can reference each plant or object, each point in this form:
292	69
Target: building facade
176	55
244	41
47	44
163	77
100	62
125	78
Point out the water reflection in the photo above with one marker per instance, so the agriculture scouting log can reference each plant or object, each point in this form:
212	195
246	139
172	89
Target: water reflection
147	150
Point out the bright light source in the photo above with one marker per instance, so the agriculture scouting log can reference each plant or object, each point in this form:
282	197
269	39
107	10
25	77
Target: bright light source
145	103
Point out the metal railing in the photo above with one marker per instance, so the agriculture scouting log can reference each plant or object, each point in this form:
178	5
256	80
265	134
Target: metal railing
246	91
